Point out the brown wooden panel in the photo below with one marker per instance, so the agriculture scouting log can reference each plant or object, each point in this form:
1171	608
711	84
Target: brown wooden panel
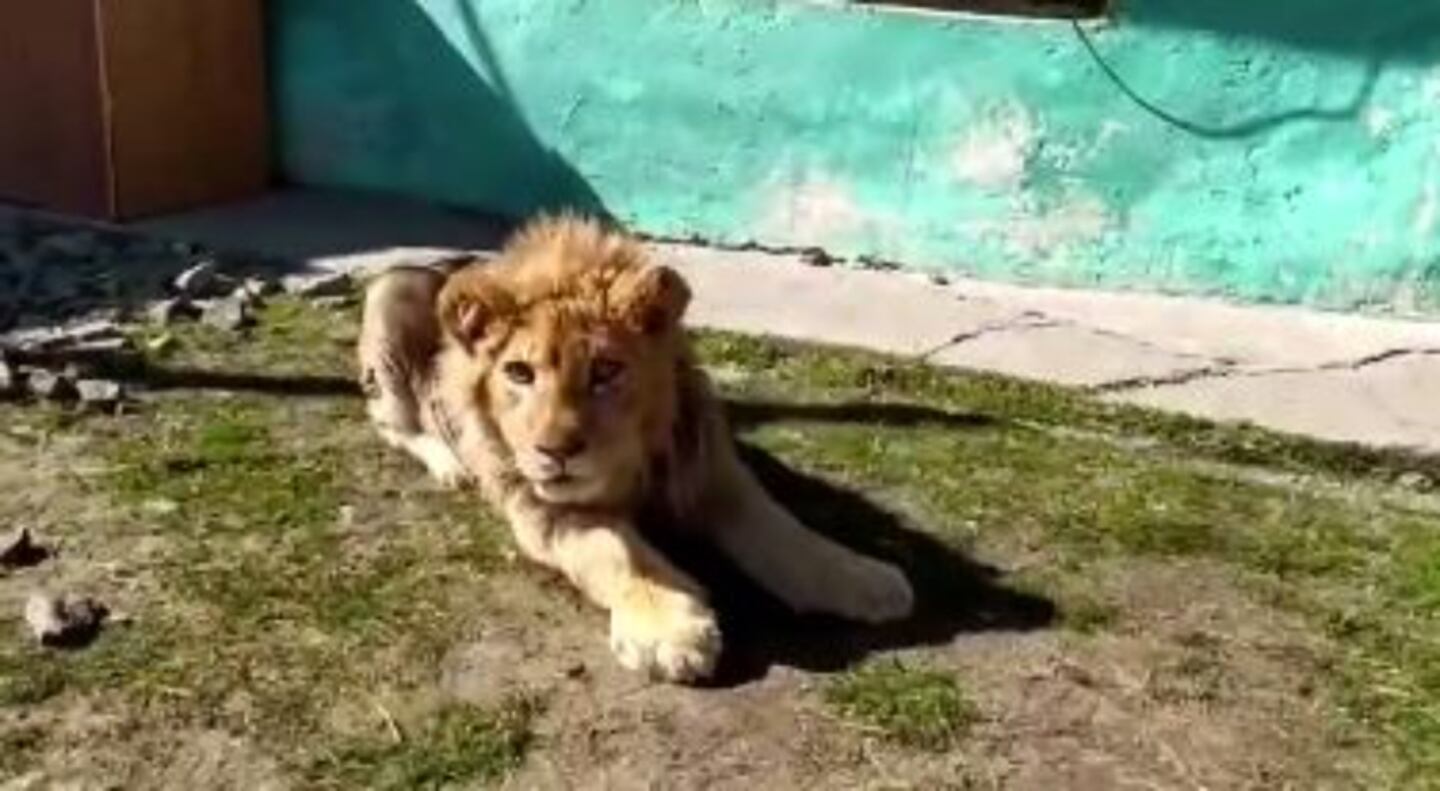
187	95
52	130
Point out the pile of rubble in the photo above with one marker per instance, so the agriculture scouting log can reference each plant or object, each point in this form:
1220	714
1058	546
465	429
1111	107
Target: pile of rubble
68	362
206	293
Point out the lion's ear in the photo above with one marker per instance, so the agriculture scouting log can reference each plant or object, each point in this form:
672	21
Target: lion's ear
472	303
652	300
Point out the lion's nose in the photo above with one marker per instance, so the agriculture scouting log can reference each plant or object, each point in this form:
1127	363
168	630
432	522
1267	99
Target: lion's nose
562	451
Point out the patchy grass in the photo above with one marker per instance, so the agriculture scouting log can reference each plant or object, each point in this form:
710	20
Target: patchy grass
460	744
1323	523
916	707
293	566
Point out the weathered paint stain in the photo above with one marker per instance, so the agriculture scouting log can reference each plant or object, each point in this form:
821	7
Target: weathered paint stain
1278	151
994	153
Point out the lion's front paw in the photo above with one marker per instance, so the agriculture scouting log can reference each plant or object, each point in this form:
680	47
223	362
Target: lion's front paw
443	465
674	639
451	477
874	592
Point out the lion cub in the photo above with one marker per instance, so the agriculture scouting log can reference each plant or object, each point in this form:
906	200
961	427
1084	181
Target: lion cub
558	379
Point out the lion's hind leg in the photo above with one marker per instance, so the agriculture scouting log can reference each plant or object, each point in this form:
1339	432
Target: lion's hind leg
399	338
806	570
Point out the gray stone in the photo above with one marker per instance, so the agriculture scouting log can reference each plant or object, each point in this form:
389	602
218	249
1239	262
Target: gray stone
101	329
203	279
97	334
251	298
1415	481
228	314
9	379
62	622
168	311
334	303
49	385
260	287
325	284
101	346
33	338
815	256
100	393
18	549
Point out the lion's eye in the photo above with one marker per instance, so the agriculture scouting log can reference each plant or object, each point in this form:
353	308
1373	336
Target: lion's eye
519	373
603	372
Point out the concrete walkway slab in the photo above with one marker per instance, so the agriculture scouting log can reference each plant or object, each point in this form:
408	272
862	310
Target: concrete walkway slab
749	292
1069	355
1341	377
1395	402
1251	337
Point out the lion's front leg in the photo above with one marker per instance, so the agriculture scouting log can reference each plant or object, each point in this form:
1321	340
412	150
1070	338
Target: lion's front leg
806	570
659	621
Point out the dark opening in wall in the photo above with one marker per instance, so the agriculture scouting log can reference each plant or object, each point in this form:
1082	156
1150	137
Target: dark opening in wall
1045	9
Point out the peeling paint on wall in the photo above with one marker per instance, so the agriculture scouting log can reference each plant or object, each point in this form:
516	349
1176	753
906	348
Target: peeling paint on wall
994	153
1278	151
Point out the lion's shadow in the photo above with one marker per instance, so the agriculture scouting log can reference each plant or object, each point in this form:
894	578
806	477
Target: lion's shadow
954	593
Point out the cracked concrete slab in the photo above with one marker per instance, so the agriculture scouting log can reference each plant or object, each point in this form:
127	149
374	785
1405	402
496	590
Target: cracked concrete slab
1249	336
762	293
1392	402
1069	355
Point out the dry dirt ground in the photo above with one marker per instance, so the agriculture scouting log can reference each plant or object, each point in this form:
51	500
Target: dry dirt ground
1109	599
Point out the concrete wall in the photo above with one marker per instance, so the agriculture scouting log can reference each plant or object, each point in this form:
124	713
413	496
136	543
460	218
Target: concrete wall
1286	150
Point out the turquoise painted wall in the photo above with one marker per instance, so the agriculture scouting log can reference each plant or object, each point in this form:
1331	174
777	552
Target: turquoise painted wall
1286	150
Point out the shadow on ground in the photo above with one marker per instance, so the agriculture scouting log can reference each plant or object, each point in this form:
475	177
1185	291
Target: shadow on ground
955	594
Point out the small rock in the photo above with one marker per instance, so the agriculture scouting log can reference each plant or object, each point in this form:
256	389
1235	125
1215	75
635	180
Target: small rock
49	385
100	330
203	279
228	314
576	670
327	284
243	294
9	380
333	303
168	311
876	264
1415	481
34	338
260	287
100	393
102	346
63	623
18	550
160	506
814	256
